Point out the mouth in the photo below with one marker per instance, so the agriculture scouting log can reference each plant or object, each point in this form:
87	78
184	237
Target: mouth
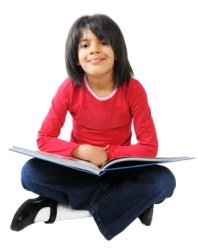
95	60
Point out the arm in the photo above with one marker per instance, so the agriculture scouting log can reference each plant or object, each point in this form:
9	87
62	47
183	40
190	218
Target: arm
51	127
147	142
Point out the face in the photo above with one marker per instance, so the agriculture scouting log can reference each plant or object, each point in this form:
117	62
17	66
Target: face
94	56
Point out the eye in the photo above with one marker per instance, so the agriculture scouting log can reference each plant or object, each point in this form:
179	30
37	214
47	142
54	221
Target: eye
104	43
83	45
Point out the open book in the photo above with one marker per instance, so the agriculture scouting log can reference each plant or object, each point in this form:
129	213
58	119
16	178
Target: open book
111	165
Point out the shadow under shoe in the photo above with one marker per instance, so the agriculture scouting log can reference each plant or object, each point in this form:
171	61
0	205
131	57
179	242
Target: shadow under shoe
147	216
26	213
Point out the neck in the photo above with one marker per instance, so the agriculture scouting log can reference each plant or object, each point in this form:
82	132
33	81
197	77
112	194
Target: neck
101	86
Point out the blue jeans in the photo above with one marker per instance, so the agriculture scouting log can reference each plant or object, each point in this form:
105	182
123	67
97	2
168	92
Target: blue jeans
114	200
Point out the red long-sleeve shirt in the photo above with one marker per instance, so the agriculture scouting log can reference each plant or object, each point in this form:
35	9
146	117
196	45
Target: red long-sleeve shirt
100	121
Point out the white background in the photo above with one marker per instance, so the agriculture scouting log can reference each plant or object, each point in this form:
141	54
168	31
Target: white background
162	42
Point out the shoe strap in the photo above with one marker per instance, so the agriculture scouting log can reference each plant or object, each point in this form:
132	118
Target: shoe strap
53	211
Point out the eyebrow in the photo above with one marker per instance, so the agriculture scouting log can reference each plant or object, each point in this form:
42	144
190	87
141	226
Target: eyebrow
83	40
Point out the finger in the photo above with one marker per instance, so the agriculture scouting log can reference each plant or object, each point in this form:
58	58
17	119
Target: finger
106	147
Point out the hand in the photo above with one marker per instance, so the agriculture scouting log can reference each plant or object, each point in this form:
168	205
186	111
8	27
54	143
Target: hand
94	154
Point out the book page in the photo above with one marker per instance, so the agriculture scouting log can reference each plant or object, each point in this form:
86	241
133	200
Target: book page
58	159
130	162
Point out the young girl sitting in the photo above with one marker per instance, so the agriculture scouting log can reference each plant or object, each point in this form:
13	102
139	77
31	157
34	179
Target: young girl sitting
104	100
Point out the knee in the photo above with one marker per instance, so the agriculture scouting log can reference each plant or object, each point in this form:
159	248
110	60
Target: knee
28	173
166	181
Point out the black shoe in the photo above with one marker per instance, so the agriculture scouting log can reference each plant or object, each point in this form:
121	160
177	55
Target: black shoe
26	213
147	216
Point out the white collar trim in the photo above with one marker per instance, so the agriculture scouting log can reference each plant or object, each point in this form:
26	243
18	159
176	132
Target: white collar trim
98	97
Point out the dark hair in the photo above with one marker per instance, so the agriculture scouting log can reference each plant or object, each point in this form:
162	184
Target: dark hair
104	28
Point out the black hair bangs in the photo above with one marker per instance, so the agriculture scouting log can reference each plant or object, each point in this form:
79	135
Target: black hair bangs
103	28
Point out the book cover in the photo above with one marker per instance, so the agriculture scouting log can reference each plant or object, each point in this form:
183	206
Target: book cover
116	164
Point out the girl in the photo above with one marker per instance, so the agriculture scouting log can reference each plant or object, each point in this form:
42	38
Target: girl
104	99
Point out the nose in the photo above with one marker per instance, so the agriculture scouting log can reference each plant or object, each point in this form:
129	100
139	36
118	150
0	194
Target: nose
94	48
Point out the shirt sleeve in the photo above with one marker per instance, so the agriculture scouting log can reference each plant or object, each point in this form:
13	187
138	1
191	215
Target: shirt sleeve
144	127
48	140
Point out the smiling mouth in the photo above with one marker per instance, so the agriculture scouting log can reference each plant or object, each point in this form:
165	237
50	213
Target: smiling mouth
96	60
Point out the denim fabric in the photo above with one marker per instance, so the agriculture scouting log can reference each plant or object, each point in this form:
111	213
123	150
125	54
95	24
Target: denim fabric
114	200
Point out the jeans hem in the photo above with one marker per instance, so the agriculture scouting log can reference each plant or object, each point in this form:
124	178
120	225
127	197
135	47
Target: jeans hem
100	224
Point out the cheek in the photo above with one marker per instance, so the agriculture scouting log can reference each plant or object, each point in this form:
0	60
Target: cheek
80	59
112	56
112	60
